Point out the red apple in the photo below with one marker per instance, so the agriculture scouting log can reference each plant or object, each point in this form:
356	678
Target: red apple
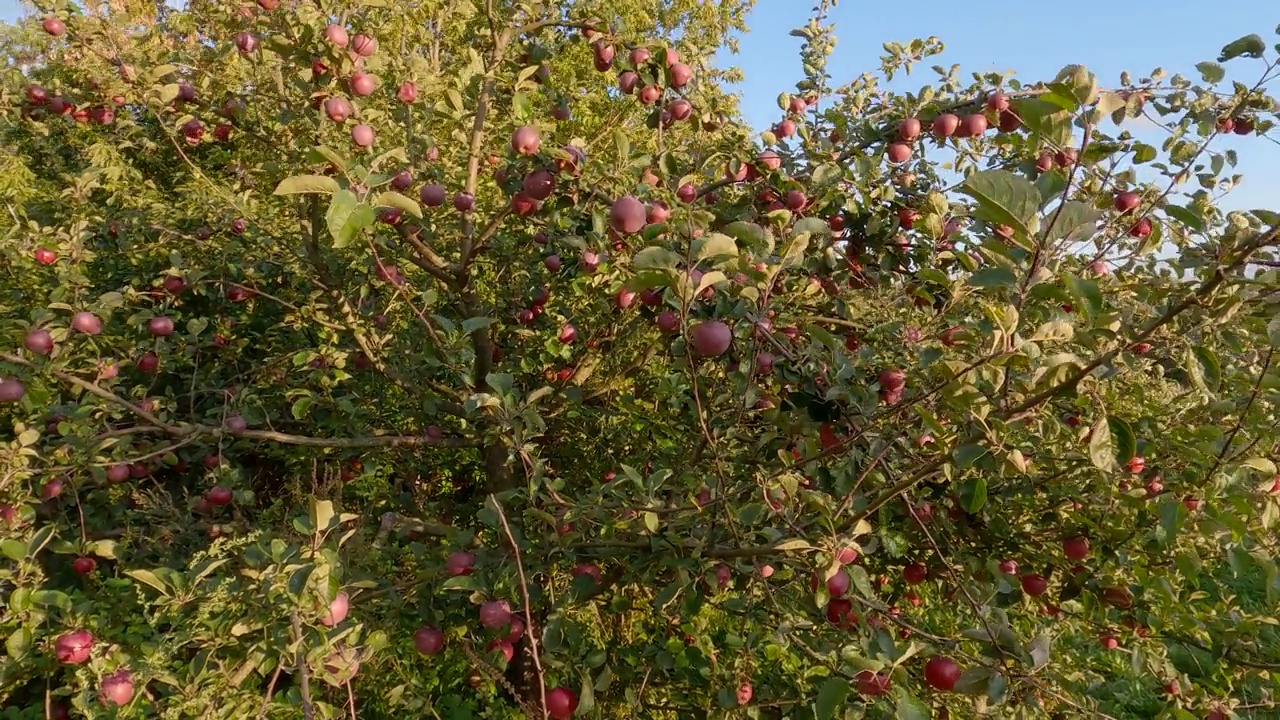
337	611
942	673
561	703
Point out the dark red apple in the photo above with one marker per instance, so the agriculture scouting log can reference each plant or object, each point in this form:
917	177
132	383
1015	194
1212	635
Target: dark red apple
872	684
1034	584
428	640
73	648
235	425
561	703
942	673
87	323
627	215
495	614
218	495
1125	202
432	195
1076	548
246	42
39	341
710	338
459	562
463	202
915	573
160	326
84	565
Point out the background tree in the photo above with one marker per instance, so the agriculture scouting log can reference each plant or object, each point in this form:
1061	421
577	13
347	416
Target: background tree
332	329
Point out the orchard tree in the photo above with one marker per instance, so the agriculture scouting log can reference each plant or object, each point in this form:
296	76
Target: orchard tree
476	360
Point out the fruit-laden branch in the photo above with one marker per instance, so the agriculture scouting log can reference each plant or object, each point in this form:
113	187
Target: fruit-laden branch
199	430
1220	275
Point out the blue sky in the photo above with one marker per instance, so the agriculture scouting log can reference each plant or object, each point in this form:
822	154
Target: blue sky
1034	37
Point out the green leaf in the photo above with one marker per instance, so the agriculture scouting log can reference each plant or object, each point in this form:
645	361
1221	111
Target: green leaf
967	455
973	494
622	142
51	598
1102	449
651	521
795	251
13	550
394	199
321	514
1075	222
1262	465
347	216
1086	293
467	583
1250	46
830	697
322	154
749	233
1004	199
993	277
472	324
910	707
1211	72
1122	436
655	257
826	173
1048	121
305	184
974	681
301	407
1205	368
1039	651
150	579
1054	331
715	245
18	643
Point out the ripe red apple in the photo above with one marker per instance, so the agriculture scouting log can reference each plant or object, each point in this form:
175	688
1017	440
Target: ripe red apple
1141	229
362	135
116	688
589	569
945	125
39	341
539	184
361	84
744	693
1136	464
872	684
899	152
1125	202
997	102
160	326
603	55
363	45
87	323
1076	548
337	109
1034	585
972	125
54	26
1110	642
1243	126
710	338
11	390
909	129
246	43
941	673
769	160
681	109
73	648
432	195
428	640
51	489
627	215
459	562
568	335
336	35
1065	158
796	200
186	92
463	202
495	614
84	565
552	263
45	256
840	613
337	612
1044	163
235	425
678	75
1009	567
118	473
624	298
407	93
915	573
218	495
526	140
628	81
561	703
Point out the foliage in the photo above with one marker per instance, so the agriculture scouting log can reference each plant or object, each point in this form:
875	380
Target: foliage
734	424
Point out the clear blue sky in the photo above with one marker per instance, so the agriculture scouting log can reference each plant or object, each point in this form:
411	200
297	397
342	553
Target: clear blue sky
1034	37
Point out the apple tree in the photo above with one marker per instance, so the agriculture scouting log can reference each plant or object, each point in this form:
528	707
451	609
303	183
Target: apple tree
475	359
